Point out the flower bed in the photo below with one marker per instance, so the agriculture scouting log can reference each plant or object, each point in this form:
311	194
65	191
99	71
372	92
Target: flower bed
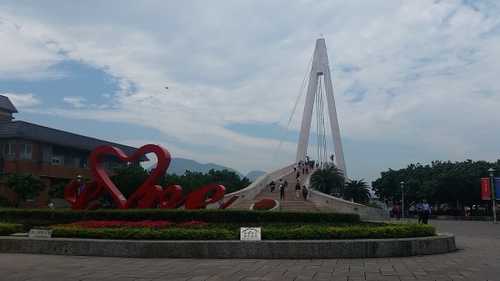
43	217
265	204
120	224
133	224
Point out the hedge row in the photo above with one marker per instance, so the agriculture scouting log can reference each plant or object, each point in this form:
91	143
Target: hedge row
351	232
306	232
49	217
9	228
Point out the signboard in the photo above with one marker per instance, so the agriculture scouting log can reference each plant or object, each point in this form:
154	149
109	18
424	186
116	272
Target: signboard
250	234
496	181
485	189
40	233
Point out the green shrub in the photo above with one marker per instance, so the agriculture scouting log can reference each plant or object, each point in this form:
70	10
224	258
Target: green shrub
36	217
147	233
4	202
9	228
269	232
348	232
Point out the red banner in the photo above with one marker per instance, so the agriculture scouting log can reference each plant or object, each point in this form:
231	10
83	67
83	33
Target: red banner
485	189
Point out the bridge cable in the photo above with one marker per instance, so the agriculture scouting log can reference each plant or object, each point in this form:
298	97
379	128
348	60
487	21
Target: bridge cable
297	99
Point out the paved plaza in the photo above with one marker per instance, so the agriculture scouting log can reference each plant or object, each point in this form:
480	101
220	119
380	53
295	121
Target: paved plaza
477	259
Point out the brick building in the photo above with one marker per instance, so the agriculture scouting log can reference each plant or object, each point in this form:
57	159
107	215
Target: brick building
52	155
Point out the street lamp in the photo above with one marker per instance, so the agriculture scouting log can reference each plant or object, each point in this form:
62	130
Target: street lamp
493	199
402	199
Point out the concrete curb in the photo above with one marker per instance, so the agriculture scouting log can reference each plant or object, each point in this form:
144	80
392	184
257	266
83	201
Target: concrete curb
267	249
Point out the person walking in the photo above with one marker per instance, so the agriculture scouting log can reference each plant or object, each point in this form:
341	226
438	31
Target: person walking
272	186
305	192
282	191
297	190
396	211
419	210
81	185
426	209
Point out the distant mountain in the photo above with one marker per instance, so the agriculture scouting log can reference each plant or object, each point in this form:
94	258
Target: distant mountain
179	166
253	175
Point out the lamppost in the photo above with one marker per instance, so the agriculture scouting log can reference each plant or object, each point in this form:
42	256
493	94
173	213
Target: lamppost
493	199
402	199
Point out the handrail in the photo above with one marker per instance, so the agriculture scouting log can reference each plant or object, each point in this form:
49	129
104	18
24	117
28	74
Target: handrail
261	182
327	201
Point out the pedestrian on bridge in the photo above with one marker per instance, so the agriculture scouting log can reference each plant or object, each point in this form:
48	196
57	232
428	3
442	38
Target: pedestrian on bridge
297	190
282	191
272	186
305	192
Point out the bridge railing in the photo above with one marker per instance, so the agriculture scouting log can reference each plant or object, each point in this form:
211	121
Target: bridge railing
327	202
257	186
261	182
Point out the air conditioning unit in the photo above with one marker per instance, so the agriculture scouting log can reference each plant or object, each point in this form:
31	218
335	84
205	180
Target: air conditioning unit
56	160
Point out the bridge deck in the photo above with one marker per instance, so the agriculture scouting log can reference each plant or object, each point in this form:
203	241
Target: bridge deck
290	203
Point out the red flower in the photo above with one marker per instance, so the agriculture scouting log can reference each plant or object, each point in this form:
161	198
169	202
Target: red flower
120	224
192	224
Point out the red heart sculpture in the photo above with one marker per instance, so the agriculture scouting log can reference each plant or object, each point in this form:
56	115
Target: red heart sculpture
148	195
81	200
102	178
171	197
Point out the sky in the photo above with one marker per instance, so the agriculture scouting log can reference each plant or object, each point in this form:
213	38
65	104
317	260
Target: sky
414	81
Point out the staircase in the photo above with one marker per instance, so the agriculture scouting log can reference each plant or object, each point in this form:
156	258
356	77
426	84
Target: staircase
290	203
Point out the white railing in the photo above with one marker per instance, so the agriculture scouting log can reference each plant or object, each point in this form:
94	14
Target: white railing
331	203
261	182
255	187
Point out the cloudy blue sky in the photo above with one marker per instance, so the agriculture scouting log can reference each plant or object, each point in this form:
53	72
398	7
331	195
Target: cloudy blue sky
414	81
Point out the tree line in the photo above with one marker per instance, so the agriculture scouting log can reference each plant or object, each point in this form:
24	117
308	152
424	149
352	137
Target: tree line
127	179
441	182
330	180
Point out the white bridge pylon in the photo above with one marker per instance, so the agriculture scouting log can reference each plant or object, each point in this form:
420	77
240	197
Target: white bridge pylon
320	68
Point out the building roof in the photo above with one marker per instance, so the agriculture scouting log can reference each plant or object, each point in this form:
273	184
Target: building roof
26	130
6	105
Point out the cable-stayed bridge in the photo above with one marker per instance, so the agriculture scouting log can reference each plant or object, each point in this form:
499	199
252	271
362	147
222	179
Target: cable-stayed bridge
319	103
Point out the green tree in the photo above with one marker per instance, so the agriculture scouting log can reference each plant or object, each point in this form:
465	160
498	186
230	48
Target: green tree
25	186
57	189
328	180
454	183
193	180
129	178
357	190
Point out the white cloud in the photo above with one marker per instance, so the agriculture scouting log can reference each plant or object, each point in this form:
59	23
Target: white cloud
25	52
22	100
76	102
425	66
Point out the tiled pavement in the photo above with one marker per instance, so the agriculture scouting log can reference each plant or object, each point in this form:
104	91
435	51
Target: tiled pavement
478	259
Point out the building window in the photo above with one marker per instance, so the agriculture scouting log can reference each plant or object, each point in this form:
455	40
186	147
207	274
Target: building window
76	162
47	153
10	150
26	151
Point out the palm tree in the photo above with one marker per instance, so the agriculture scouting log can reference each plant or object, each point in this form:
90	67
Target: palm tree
328	180
357	190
